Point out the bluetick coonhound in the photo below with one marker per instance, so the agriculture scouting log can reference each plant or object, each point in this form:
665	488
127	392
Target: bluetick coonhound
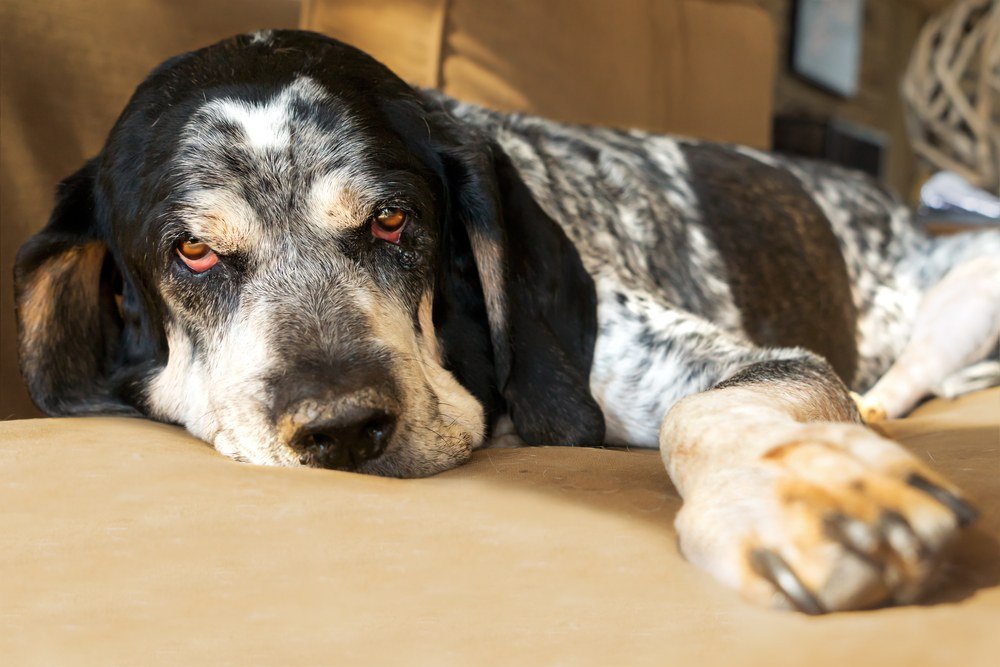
303	260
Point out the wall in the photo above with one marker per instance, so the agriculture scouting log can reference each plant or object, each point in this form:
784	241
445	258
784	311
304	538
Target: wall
890	30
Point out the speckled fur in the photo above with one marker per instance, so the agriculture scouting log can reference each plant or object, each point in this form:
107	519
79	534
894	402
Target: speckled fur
668	324
787	498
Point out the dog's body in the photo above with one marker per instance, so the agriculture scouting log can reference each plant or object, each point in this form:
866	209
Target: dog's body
320	265
723	246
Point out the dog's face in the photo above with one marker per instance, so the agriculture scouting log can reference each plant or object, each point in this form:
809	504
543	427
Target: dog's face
297	238
290	252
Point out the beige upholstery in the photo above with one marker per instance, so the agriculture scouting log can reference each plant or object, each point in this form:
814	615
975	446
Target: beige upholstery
129	542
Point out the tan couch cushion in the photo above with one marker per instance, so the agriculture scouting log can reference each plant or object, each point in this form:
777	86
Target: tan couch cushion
128	542
694	67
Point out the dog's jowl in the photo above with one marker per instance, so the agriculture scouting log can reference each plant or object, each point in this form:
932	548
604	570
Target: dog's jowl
305	261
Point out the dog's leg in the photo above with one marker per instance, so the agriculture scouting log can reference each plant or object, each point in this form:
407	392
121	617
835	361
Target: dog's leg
790	500
957	325
972	378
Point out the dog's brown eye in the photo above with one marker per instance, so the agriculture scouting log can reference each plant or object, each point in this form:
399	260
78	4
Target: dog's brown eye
390	219
198	256
192	248
388	224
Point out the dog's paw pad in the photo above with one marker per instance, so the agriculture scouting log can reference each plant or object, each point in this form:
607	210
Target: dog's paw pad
846	521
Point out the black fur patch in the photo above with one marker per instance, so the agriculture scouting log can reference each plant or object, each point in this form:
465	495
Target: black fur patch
553	312
778	371
536	365
783	263
71	332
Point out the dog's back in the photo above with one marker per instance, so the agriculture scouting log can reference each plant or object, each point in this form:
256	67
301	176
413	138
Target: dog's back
780	250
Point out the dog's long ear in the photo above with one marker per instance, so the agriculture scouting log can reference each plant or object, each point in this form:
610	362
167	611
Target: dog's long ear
509	269
68	324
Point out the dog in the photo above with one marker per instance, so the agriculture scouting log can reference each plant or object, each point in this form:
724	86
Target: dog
303	260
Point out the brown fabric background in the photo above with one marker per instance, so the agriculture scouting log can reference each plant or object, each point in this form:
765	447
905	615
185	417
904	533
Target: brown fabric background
124	542
703	68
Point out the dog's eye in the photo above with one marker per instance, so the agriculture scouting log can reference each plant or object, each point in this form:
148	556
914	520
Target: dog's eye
388	224
198	256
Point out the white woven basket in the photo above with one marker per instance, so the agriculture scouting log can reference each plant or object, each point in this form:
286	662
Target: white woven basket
951	91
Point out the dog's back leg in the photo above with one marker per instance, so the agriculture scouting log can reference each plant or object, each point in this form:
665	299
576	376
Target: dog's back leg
957	325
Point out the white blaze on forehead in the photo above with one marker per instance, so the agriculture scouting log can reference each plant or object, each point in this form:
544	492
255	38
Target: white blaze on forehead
262	37
271	130
267	124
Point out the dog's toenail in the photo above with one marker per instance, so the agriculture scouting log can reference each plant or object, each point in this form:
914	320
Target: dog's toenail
965	512
773	567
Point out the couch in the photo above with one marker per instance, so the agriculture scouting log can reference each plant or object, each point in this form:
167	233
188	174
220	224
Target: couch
123	541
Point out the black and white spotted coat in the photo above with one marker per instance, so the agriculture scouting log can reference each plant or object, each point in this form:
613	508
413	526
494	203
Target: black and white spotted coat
668	323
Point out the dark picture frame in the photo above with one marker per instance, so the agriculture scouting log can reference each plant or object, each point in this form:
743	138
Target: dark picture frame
826	43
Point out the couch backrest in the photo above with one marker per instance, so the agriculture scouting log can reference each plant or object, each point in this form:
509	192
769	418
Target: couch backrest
702	68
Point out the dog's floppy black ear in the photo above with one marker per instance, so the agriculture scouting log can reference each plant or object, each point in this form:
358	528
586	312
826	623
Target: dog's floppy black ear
513	283
68	323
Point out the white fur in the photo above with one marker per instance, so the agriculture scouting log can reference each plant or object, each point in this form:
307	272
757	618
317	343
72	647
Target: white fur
762	480
958	323
267	125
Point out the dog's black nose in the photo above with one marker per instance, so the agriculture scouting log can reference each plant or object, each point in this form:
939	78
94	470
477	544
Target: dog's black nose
344	442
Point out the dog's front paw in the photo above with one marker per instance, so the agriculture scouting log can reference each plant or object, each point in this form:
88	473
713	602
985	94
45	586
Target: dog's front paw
833	518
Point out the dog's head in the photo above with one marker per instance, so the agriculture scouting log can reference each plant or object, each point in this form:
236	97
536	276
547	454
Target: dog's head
301	259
